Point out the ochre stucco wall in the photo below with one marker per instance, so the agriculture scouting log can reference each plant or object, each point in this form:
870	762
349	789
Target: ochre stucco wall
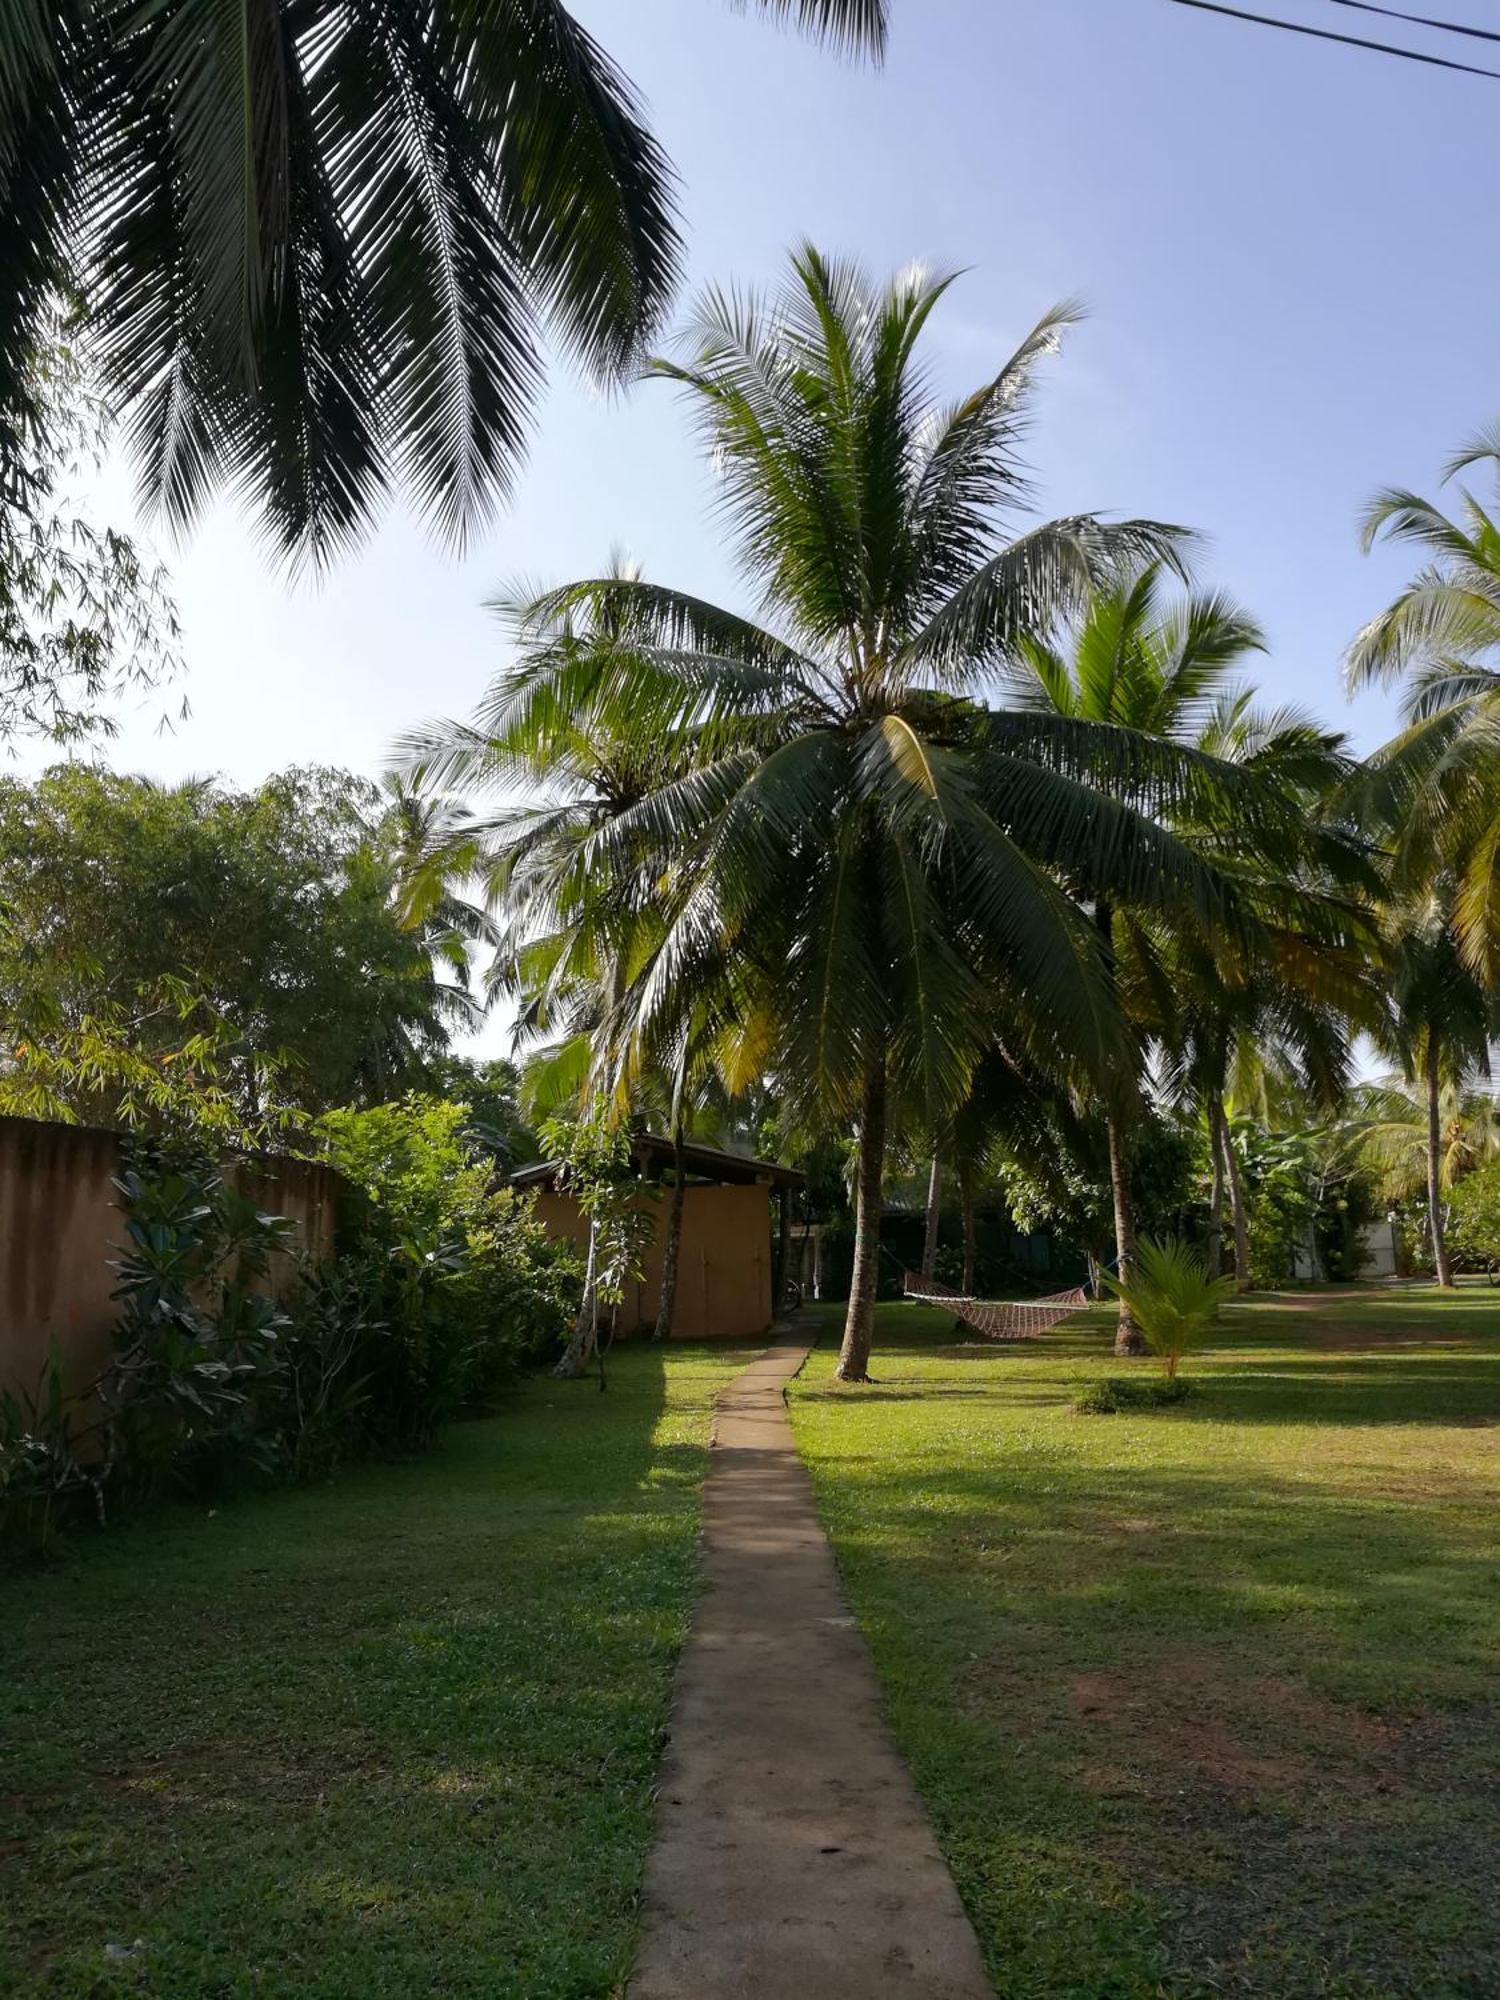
723	1269
59	1229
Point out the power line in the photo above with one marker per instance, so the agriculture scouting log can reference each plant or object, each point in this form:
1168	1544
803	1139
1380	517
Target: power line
1328	35
1421	20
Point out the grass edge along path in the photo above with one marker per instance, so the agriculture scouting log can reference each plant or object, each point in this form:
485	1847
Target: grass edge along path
394	1735
1201	1701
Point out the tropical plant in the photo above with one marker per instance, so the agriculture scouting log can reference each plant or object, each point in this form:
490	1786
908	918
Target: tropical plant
1162	669
1438	1027
1435	788
1474	1217
434	855
317	236
859	864
197	1338
1139	663
457	1285
49	1460
1172	1297
594	1167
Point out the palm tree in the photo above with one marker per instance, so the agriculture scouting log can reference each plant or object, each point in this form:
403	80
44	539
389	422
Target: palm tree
860	854
1439	1027
1286	1002
1136	663
1436	786
436	854
1389	1128
317	236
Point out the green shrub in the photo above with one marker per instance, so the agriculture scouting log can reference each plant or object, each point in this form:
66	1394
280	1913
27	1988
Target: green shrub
48	1461
1474	1218
195	1379
1114	1393
454	1283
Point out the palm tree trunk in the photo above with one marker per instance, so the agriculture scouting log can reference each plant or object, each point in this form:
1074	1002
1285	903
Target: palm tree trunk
971	1246
1440	1259
580	1349
671	1249
934	1207
1216	1197
859	1325
1238	1206
783	1251
1128	1337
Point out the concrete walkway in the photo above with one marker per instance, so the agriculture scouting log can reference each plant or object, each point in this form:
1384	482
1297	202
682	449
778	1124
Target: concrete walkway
793	1859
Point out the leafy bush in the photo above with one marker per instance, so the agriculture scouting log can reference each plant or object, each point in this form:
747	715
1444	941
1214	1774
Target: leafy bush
1114	1393
197	1362
457	1286
44	1470
446	1288
1474	1218
1172	1297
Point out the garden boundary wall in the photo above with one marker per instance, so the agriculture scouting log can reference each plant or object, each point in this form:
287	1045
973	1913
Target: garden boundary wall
60	1229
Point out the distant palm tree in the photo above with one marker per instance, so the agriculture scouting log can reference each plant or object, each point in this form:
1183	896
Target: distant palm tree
435	856
1436	787
316	237
1134	662
1440	1023
860	855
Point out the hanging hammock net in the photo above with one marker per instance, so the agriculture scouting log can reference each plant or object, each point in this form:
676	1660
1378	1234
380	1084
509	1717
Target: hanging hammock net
997	1321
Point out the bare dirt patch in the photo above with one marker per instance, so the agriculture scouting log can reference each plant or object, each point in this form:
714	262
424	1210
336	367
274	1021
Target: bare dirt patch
1192	1718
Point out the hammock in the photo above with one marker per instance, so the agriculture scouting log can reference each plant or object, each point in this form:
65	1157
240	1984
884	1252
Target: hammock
997	1322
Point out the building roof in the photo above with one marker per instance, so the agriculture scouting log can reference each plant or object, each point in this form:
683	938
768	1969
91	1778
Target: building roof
653	1156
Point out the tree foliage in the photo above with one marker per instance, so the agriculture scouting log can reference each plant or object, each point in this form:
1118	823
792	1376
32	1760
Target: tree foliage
177	923
318	237
86	614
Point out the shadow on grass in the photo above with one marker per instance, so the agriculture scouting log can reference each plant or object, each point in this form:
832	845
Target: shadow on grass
397	1735
1193	1715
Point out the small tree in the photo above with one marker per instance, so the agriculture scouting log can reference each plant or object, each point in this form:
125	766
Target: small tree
1474	1217
595	1168
1172	1298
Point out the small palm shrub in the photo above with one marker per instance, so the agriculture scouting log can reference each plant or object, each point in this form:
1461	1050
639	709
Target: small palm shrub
1172	1297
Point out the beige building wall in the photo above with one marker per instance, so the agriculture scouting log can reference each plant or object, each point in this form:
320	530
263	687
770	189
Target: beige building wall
60	1229
723	1269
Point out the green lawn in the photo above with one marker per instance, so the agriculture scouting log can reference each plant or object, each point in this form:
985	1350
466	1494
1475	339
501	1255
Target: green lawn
392	1737
1204	1701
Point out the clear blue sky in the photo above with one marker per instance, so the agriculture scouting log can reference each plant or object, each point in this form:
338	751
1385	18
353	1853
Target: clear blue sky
1289	253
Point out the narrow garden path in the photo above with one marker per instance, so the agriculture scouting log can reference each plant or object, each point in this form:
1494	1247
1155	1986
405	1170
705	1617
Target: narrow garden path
792	1855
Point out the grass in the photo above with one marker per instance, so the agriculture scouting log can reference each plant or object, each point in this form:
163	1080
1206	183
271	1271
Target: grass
1203	1700
391	1737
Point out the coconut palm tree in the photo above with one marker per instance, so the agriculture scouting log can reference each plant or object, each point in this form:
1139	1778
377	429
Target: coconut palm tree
317	237
435	856
1436	787
1439	1026
861	855
1286	1007
1135	662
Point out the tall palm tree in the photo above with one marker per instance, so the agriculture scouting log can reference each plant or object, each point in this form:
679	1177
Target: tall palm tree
1436	787
1439	1027
860	852
1165	669
1135	663
317	236
1284	1005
